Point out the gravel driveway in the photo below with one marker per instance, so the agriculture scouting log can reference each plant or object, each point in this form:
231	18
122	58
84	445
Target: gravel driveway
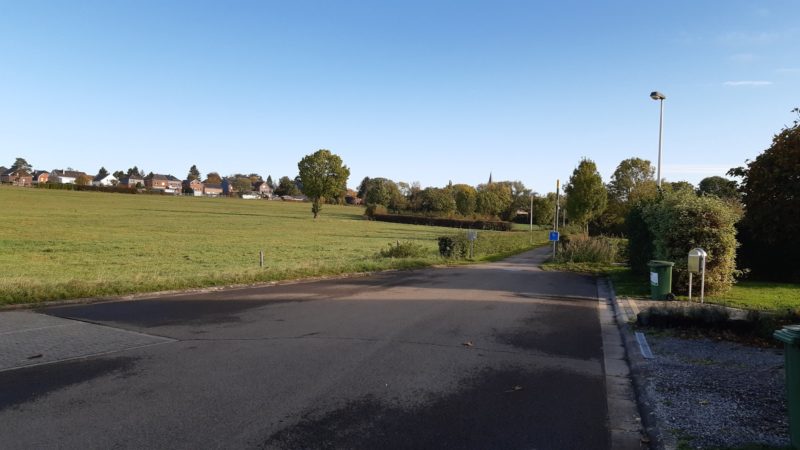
704	393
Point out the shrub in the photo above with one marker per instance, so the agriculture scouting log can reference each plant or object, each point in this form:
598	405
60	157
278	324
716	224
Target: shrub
640	239
489	243
374	209
582	248
682	221
404	250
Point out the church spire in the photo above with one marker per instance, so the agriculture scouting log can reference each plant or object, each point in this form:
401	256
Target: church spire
490	177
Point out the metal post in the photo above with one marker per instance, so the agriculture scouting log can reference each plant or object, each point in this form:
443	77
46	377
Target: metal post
530	216
703	280
555	220
660	139
690	286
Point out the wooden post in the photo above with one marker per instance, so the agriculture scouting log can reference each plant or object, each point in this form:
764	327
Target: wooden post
261	258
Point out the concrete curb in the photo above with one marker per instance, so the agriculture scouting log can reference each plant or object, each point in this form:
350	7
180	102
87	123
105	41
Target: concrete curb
624	421
626	313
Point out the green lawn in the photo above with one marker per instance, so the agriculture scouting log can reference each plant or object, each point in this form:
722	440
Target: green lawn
755	295
64	244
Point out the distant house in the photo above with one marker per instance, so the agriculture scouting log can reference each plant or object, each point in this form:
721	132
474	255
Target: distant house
262	188
193	187
164	183
108	180
65	176
131	182
212	189
16	177
40	177
352	200
228	188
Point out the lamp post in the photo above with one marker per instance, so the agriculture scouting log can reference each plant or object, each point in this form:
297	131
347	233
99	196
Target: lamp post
655	95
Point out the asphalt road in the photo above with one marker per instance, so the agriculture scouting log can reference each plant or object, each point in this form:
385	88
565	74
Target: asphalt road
497	355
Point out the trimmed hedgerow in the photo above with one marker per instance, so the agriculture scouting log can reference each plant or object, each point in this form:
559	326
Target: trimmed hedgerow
444	222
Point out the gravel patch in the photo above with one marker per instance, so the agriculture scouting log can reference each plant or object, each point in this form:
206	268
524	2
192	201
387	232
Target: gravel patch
707	394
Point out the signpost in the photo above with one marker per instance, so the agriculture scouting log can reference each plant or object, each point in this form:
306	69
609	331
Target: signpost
555	219
472	235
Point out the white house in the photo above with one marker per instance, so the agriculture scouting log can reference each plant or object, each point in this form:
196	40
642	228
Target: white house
64	176
108	180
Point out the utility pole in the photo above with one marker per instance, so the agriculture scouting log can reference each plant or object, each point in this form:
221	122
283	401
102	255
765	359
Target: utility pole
555	219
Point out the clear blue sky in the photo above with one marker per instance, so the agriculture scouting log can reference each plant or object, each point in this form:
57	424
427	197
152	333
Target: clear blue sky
426	91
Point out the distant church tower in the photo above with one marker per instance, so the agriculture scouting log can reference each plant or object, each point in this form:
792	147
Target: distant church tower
490	177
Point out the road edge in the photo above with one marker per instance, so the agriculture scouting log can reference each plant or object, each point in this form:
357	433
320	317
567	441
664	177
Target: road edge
624	421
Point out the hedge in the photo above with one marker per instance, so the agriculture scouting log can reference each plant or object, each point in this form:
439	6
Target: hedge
78	187
444	222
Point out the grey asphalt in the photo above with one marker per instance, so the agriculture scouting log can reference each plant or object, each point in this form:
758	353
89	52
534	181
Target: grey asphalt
498	355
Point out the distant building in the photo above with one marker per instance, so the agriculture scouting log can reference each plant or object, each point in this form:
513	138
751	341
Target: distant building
40	177
262	189
212	189
131	182
164	183
16	177
65	176
193	187
107	180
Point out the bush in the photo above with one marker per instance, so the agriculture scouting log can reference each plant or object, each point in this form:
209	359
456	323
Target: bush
404	250
582	248
682	221
640	239
443	222
90	188
375	209
489	243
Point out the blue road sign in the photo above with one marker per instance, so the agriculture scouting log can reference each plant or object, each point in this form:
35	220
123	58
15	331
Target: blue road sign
554	235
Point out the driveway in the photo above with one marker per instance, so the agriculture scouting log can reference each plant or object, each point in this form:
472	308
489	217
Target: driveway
498	355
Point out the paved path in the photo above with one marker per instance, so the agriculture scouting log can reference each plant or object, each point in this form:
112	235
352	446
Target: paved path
497	355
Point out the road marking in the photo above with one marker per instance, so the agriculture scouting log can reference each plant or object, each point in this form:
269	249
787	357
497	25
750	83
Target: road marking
644	347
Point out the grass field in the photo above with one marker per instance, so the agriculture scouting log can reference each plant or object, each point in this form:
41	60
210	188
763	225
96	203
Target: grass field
63	244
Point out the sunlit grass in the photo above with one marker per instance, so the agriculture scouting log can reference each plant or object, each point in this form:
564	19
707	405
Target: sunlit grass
64	244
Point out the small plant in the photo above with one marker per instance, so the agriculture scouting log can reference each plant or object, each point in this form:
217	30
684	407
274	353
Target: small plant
581	248
404	250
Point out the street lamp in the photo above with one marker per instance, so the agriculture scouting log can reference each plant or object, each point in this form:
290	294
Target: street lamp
655	95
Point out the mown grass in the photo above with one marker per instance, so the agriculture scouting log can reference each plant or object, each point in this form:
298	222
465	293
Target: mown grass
746	294
63	244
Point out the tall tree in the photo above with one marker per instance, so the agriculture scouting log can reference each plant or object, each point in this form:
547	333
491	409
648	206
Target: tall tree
323	175
119	174
363	188
102	173
83	180
720	187
628	176
135	172
286	186
586	194
21	165
255	178
270	183
771	196
466	198
241	183
194	173
213	178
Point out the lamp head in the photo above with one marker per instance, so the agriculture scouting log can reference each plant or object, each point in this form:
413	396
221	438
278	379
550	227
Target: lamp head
655	95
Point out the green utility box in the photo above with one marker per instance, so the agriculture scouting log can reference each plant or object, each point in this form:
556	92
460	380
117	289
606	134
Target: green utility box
790	336
660	279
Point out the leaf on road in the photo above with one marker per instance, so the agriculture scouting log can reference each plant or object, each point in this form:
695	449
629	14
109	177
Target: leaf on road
515	389
468	344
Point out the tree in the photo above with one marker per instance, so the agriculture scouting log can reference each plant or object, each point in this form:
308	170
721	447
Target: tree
83	180
323	175
493	199
678	186
466	198
544	209
720	187
240	183
771	195
213	178
286	186
135	172
382	191
102	173
628	176
436	200
21	165
194	174
270	183
363	188
255	178
119	174
586	195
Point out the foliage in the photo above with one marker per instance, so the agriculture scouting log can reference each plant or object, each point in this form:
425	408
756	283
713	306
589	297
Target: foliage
375	210
544	209
213	178
119	174
363	187
135	172
628	177
406	249
102	173
241	183
488	243
466	198
382	191
21	164
640	238
771	195
83	180
586	194
270	183
720	187
286	186
682	221
323	176
678	186
441	221
437	201
493	199
194	173
582	248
